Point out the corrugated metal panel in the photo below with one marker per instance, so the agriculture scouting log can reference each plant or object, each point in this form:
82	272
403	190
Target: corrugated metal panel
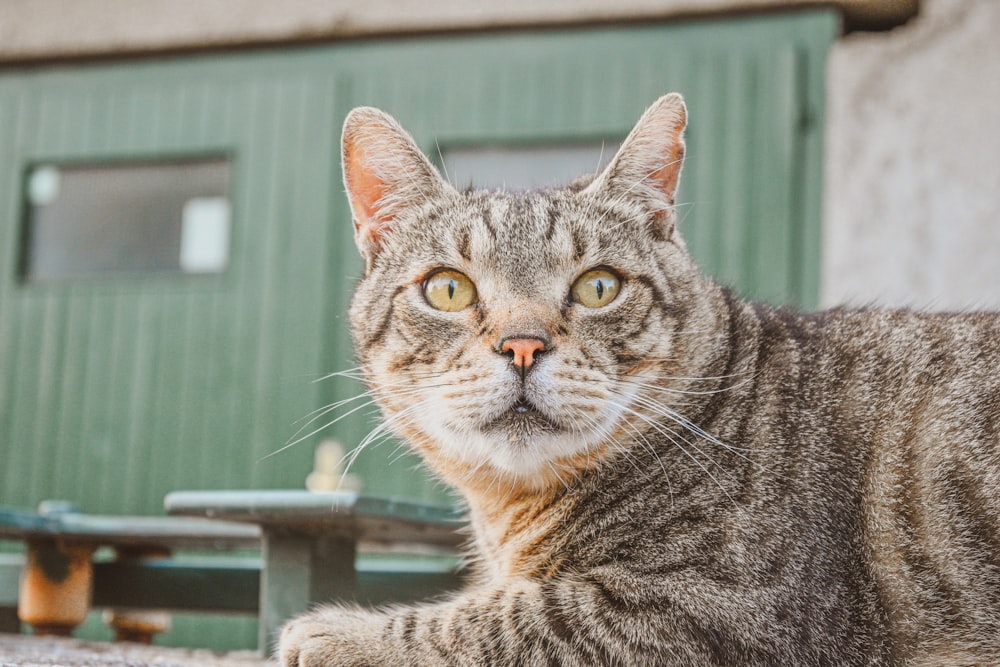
120	390
115	392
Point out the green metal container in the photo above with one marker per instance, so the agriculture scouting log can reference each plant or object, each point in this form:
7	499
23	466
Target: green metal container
117	390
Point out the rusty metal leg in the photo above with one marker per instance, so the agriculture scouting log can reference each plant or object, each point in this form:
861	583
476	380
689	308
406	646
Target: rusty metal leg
55	590
138	625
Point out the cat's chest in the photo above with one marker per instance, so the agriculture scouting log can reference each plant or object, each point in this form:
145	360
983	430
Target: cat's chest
520	539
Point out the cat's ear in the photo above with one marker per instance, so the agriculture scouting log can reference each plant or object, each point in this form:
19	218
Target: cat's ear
385	174
647	167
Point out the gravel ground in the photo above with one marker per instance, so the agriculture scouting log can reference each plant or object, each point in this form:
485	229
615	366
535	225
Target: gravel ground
27	651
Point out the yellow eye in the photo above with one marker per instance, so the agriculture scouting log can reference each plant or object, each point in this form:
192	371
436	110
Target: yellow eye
449	290
596	288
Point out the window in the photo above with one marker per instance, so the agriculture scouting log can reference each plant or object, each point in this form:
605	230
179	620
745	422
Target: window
98	220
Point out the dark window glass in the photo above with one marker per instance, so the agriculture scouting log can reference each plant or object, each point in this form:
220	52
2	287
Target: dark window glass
86	221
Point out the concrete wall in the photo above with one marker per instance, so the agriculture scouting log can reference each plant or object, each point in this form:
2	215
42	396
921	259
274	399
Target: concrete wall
47	29
912	210
912	201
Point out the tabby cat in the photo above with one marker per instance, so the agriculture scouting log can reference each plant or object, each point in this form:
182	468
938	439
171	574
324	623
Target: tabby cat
657	472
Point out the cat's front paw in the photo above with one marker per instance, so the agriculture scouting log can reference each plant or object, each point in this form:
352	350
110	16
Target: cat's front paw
328	638
303	643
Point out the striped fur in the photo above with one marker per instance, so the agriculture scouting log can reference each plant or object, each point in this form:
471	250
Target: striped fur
701	480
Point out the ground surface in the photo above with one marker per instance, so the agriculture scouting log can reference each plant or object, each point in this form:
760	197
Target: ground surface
25	651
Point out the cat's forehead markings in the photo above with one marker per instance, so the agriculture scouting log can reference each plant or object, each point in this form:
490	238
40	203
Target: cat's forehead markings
552	214
484	209
464	244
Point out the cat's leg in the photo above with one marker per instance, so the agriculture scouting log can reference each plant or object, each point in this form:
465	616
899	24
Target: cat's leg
524	623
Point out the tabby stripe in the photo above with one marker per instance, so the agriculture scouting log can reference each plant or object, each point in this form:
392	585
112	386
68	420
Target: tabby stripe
971	512
464	245
917	561
579	245
650	284
487	218
437	642
572	633
712	641
608	630
409	621
384	324
553	217
453	360
495	632
402	363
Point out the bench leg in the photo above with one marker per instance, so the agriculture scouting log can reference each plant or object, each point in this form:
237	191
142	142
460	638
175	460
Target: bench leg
56	587
9	621
301	570
138	626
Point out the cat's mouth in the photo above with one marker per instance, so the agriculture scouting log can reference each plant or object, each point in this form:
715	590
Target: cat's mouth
523	407
522	420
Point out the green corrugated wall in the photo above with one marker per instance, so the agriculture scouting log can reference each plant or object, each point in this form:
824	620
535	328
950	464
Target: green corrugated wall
114	392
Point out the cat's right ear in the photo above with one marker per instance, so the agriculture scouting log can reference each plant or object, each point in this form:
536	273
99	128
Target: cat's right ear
385	174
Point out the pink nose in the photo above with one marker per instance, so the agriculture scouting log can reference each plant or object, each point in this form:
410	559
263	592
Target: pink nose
524	350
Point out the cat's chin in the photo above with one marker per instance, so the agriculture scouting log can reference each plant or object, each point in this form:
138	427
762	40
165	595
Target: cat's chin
523	447
524	438
520	425
531	459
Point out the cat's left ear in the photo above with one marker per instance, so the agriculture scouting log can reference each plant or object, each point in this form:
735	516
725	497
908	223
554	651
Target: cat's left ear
647	168
385	174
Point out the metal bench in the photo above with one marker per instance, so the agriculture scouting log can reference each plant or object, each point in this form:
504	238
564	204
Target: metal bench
308	546
59	579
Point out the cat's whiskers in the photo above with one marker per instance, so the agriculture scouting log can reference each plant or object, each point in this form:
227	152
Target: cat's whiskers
325	410
692	378
673	438
369	393
355	373
319	412
634	381
558	471
379	391
643	442
617	446
676	417
673	415
405	374
296	440
659	408
382	430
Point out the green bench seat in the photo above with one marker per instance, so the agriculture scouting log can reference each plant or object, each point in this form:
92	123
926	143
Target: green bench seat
303	548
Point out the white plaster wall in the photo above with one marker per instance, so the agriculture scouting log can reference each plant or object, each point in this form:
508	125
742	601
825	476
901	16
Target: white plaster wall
44	29
912	201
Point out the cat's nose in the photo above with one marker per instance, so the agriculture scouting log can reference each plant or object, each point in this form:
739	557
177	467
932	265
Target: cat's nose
524	350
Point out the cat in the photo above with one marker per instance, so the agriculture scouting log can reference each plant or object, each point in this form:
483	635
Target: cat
656	471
